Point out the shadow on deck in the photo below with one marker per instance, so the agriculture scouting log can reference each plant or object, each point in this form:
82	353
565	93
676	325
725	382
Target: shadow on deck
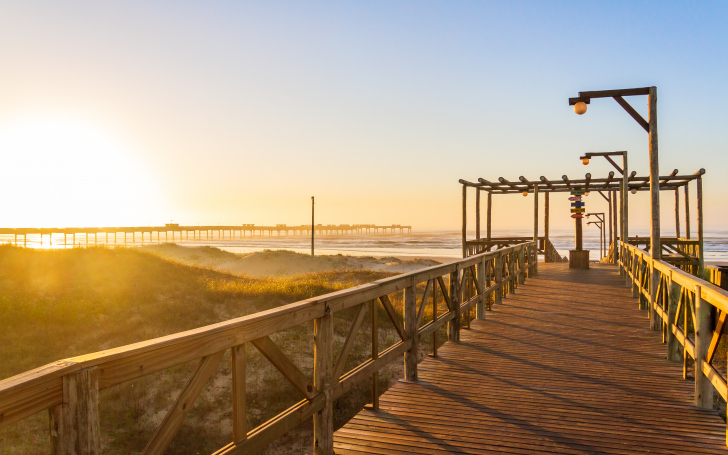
566	365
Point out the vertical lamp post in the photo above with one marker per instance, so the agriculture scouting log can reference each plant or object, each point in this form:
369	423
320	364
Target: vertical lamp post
650	126
624	212
600	225
313	228
580	106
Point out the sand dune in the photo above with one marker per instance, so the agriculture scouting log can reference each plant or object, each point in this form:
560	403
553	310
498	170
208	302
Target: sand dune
281	263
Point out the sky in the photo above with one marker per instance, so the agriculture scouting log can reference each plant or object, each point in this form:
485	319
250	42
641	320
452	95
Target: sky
139	113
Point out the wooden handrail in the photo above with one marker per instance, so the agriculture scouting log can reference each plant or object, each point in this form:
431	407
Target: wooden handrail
668	292
43	388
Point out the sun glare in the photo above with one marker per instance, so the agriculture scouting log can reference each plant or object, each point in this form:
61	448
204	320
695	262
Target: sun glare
62	171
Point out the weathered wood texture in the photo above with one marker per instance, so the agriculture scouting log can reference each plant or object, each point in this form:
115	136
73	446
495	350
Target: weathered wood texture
579	259
566	366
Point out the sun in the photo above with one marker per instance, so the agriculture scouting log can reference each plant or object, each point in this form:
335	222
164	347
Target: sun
65	171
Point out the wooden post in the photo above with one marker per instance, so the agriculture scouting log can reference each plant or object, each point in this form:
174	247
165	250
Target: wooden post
410	328
677	213
655	321
614	229
240	429
375	353
434	317
465	218
655	246
487	218
480	308
534	269
521	265
453	326
625	202
701	258
635	262
703	336
545	227
499	279
687	211
578	238
477	213
512	273
673	294
323	420
74	424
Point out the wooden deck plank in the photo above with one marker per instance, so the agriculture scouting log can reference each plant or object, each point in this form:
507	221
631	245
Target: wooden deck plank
567	364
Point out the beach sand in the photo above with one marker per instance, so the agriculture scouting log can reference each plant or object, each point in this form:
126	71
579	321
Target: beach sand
282	263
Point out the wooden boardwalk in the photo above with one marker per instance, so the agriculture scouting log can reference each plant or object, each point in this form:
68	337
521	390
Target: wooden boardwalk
567	365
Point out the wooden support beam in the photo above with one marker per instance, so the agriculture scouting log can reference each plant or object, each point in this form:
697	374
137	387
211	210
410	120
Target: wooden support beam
534	269
717	334
74	424
465	219
701	240
480	307
687	212
703	386
240	425
630	110
349	343
677	213
270	350
172	421
674	293
373	307
655	247
488	217
499	279
425	295
323	420
410	327
546	216
387	304
453	326
477	213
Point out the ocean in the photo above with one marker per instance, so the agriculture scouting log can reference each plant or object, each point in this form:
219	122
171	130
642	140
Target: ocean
433	244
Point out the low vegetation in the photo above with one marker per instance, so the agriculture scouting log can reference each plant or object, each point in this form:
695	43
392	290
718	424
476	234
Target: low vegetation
58	304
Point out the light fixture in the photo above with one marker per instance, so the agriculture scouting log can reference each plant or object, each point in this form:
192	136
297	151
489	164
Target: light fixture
588	215
580	107
525	193
633	191
586	194
585	161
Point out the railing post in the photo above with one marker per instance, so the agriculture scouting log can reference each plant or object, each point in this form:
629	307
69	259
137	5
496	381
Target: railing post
521	266
655	321
635	276
374	309
74	424
239	419
410	328
453	326
512	277
703	336
499	279
323	420
629	257
673	346
480	307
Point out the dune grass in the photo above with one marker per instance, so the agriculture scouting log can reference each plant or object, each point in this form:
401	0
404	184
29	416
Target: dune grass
62	303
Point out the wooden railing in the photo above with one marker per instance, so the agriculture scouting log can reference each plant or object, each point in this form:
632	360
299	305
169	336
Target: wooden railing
690	311
545	247
69	389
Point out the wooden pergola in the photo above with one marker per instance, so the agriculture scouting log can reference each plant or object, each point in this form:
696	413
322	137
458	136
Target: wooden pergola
607	187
